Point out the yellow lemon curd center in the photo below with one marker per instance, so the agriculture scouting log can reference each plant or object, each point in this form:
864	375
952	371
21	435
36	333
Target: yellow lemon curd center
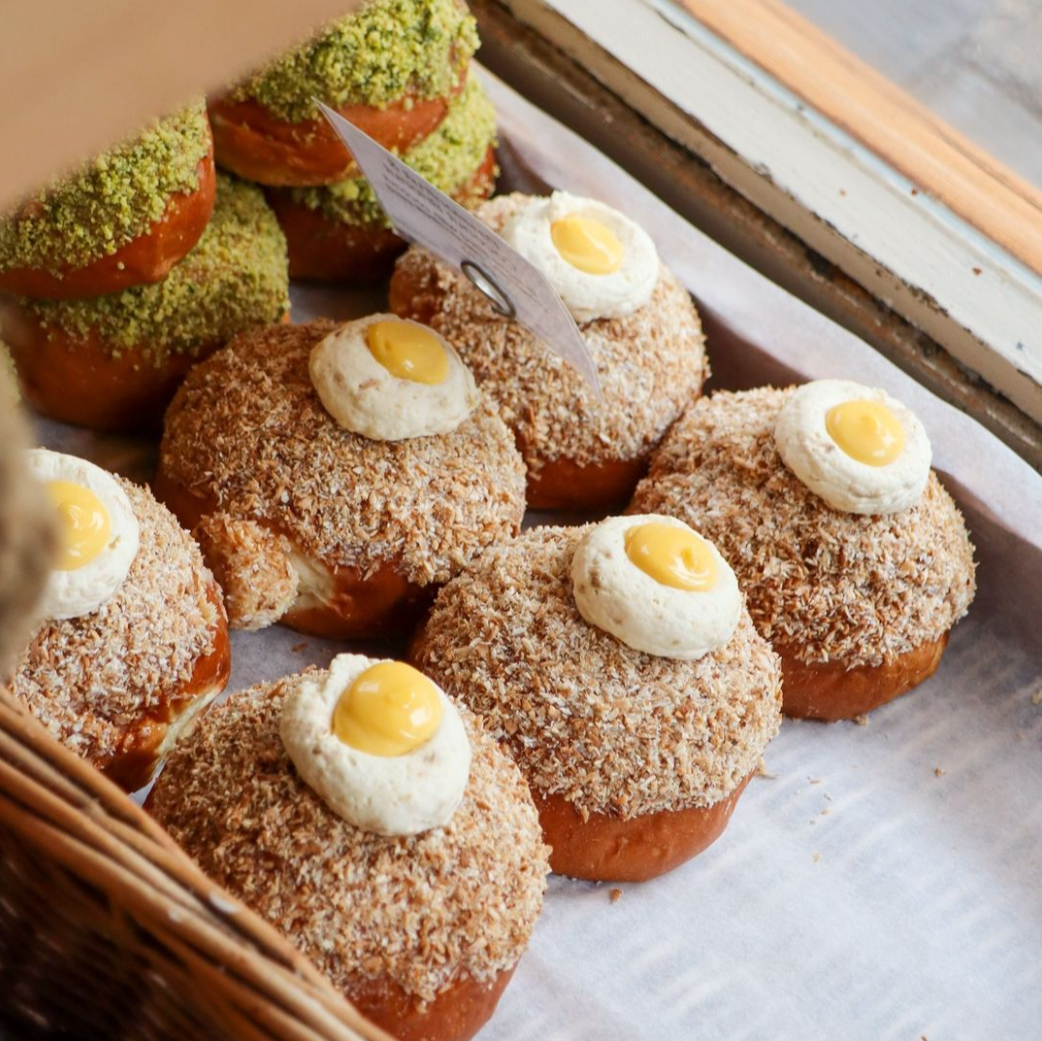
83	521
866	431
408	352
587	244
389	710
672	556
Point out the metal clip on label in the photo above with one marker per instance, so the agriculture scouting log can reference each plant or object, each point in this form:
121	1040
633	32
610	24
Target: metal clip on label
484	283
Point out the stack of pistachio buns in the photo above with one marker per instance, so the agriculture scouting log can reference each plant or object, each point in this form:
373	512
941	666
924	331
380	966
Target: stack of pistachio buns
400	71
118	276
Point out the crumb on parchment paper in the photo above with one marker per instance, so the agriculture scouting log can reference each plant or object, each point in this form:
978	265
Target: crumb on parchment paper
615	895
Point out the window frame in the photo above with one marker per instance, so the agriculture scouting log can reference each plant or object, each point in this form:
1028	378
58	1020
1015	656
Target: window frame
972	306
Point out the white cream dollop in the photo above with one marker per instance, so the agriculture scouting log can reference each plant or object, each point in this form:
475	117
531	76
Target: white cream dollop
78	592
615	595
388	795
808	450
365	398
587	296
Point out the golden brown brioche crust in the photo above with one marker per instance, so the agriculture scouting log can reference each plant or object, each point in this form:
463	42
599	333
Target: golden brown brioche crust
413	291
142	261
134	763
650	363
83	382
376	605
830	691
116	685
560	484
456	1014
324	250
604	848
329	250
258	146
249	456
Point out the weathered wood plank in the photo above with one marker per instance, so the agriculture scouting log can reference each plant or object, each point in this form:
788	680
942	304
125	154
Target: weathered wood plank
899	129
906	247
545	63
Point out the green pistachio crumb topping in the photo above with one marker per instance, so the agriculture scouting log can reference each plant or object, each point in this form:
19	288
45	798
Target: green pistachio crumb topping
448	159
236	278
371	57
108	202
9	392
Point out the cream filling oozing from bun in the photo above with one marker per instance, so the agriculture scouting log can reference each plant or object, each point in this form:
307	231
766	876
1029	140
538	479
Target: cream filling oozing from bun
389	795
614	594
363	395
587	296
845	483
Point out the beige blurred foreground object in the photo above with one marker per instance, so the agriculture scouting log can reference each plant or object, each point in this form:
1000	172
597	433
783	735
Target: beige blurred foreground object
25	537
76	77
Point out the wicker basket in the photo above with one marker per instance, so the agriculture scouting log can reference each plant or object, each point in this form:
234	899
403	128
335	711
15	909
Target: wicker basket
108	930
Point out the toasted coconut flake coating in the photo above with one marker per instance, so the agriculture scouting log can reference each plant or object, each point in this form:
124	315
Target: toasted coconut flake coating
832	586
650	363
611	729
92	679
247	429
252	565
418	910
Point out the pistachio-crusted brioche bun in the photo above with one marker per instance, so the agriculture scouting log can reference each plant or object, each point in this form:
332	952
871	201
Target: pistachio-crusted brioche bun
858	606
112	362
124	219
635	760
421	933
390	69
307	523
119	685
339	232
580	453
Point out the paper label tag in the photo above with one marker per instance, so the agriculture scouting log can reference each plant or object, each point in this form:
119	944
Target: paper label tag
421	214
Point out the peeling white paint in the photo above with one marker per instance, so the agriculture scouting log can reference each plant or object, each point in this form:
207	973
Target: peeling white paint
913	252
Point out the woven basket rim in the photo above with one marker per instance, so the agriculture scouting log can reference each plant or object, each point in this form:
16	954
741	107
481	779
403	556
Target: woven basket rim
68	811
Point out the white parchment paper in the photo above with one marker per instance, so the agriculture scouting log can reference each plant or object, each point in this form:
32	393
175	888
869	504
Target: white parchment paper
886	881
